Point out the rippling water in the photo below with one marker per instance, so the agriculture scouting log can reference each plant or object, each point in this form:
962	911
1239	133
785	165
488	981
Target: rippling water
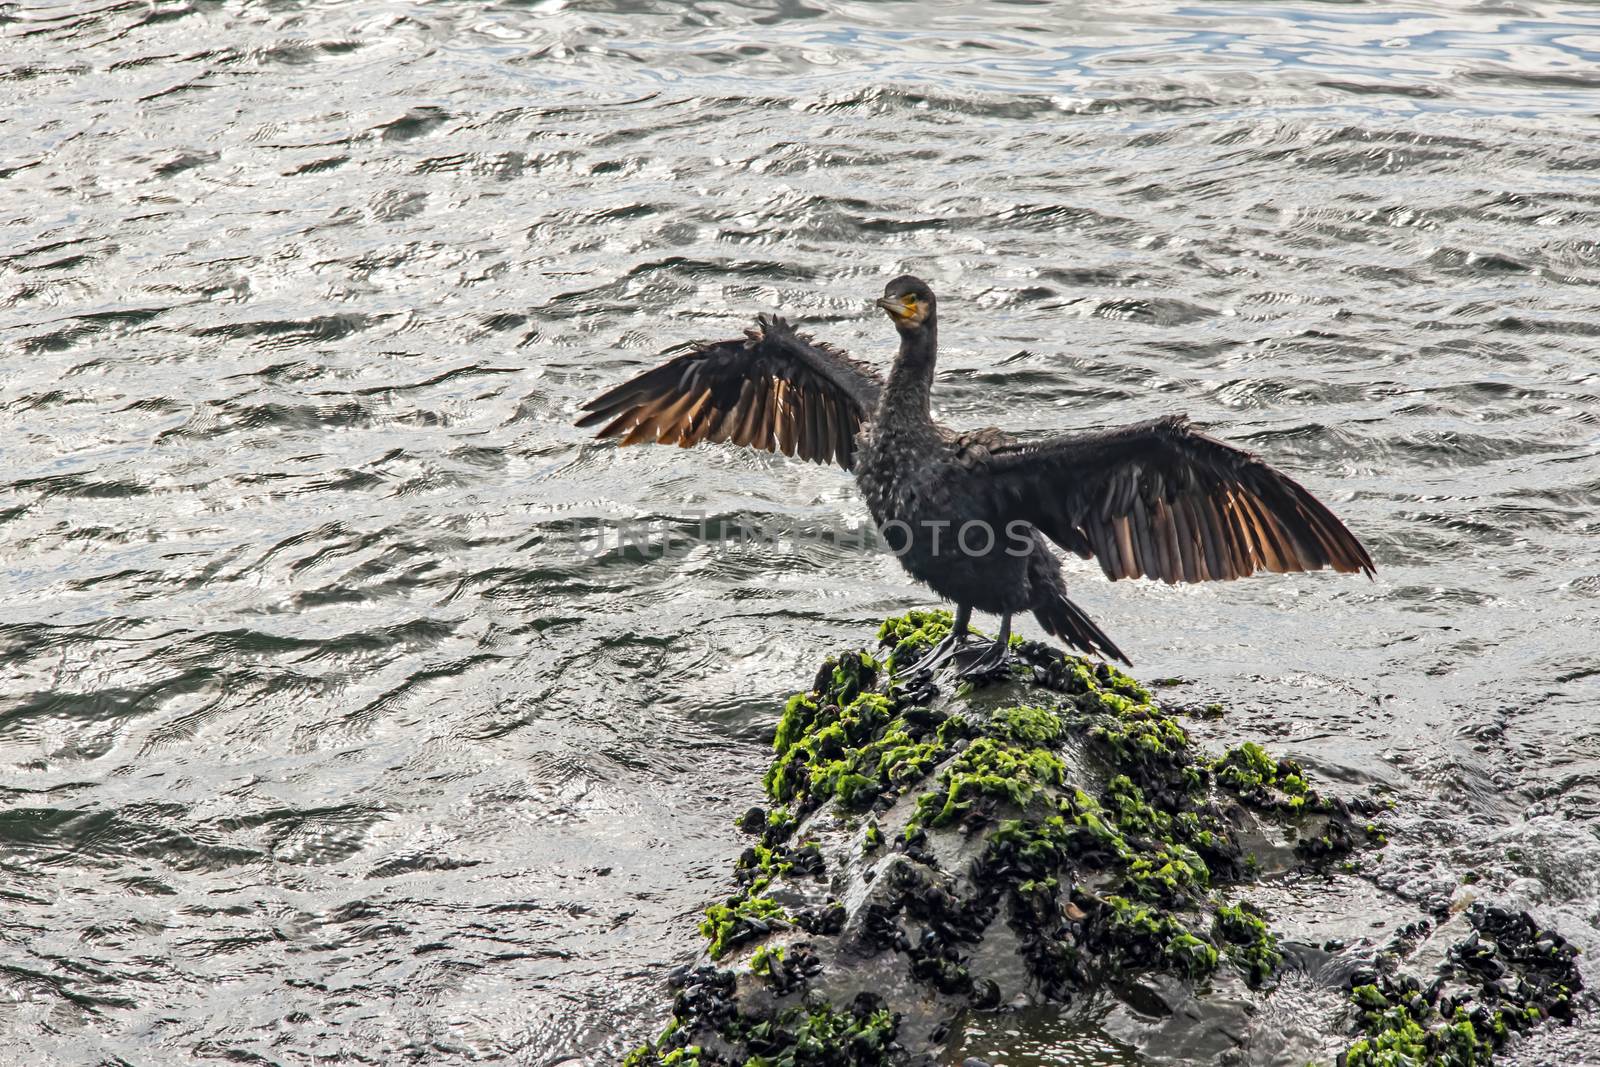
320	738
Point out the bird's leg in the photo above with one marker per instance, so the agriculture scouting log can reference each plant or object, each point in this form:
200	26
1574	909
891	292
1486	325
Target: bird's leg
952	643
995	656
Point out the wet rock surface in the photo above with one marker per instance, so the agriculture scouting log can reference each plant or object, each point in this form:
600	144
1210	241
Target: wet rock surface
941	853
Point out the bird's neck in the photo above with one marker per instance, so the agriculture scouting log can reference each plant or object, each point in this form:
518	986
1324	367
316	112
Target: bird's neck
911	377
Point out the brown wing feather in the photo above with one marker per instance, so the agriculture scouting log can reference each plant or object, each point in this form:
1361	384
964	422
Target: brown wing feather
774	389
1162	500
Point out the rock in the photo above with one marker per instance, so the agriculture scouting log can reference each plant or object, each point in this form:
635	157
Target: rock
935	850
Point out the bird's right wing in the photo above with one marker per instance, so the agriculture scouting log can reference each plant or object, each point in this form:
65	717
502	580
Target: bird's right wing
773	389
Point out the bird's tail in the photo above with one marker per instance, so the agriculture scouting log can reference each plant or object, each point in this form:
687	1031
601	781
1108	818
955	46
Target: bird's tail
1065	621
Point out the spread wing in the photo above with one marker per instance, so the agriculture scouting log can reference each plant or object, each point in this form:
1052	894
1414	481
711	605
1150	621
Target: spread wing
774	389
1162	500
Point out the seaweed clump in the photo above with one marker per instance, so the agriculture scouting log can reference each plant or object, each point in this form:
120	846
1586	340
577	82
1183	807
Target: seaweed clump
848	742
1503	977
810	1034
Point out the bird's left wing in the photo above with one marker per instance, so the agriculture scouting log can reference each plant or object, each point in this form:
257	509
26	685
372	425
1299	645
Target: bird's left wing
1162	500
773	389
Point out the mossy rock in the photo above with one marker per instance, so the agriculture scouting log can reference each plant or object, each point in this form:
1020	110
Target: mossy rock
934	850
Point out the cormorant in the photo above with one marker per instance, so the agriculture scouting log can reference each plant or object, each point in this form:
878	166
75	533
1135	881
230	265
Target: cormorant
968	513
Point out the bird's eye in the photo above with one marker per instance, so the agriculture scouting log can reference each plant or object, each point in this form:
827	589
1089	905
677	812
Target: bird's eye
911	298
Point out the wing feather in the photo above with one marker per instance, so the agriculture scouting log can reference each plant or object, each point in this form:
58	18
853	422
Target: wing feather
786	423
693	423
1139	520
1206	522
821	447
1185	539
1126	568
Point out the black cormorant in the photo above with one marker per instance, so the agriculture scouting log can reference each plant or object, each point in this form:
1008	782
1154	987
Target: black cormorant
968	513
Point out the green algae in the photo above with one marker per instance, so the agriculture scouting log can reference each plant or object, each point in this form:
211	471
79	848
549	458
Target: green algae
1164	854
1036	847
1193	957
738	919
1171	874
1248	942
1516	974
820	750
1397	1037
1144	936
988	767
1151	827
649	1056
760	865
845	742
1205	832
813	1034
1251	773
859	754
666	1050
1401	1045
1110	678
1025	725
763	959
1246	767
822	1035
1133	812
909	636
1090	816
1149	747
780	821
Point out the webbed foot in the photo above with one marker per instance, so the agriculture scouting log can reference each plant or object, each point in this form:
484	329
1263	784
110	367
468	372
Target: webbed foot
992	660
944	650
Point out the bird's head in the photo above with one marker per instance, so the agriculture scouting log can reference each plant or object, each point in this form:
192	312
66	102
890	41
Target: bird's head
909	302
